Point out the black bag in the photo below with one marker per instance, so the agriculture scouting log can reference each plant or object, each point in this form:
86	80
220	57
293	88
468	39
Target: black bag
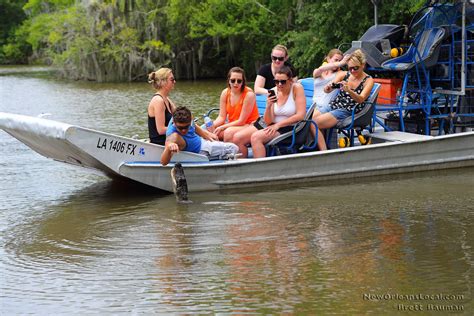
260	123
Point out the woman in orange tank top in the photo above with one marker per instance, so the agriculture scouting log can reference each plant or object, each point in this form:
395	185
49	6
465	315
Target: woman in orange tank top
238	107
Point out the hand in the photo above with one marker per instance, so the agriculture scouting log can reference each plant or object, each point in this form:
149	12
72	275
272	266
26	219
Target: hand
219	130
271	99
345	86
173	147
345	59
271	130
210	136
332	86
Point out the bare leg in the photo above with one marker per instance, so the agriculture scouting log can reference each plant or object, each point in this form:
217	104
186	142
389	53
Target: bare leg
242	138
258	141
321	141
312	128
324	121
230	132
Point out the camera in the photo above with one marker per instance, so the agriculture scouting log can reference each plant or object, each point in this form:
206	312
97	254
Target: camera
336	85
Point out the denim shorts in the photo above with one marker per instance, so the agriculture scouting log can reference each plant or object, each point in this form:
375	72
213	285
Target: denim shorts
323	108
339	114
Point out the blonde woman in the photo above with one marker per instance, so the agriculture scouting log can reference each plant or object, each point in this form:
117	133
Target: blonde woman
266	73
354	85
160	108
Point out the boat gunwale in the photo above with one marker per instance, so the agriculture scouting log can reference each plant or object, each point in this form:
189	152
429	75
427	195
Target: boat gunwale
226	163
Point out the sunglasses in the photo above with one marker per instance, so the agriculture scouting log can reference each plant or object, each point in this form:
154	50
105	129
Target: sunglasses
280	82
173	79
239	81
355	68
275	58
182	128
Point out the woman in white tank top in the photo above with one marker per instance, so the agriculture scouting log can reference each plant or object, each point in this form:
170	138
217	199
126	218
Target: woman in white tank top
283	110
324	75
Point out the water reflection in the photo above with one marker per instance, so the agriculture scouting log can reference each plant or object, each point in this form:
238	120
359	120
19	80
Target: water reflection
239	253
66	230
266	260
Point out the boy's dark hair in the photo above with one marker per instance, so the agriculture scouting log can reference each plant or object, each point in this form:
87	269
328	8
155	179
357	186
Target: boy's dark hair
182	115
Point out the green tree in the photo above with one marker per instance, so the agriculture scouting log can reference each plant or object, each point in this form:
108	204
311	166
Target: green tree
240	32
12	50
102	40
123	40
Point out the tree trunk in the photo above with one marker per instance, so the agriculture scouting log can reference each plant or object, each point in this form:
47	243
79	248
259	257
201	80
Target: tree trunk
195	70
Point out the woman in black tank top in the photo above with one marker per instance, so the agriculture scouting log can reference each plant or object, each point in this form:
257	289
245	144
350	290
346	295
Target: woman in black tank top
160	108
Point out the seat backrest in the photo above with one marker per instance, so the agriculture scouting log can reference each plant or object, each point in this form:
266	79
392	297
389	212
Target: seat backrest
424	49
363	118
302	136
308	86
301	133
261	103
428	42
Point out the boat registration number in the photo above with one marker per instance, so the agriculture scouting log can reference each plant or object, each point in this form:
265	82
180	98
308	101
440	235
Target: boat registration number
116	145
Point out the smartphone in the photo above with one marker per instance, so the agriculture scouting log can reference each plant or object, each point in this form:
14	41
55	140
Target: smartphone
336	85
271	93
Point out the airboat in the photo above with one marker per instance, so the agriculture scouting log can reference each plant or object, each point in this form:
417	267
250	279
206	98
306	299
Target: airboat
421	122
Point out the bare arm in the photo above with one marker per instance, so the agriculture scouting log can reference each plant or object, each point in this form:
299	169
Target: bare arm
329	66
205	133
360	98
174	144
222	109
170	149
339	76
259	85
268	115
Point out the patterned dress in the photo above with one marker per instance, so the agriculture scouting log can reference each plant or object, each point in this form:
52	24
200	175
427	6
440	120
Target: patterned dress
344	101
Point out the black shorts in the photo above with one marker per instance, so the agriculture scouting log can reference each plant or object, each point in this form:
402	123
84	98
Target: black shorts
260	124
285	129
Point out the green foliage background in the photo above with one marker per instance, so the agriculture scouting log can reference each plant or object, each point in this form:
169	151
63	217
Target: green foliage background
123	40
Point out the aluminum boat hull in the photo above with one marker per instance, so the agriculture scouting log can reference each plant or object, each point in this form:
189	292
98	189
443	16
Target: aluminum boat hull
118	156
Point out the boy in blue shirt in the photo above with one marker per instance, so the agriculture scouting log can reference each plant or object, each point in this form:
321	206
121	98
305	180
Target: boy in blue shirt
183	134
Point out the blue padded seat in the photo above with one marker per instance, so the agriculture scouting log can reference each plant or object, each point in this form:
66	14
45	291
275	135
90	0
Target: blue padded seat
296	140
425	50
364	117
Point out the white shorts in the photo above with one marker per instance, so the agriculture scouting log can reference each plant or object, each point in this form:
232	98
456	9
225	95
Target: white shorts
218	150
